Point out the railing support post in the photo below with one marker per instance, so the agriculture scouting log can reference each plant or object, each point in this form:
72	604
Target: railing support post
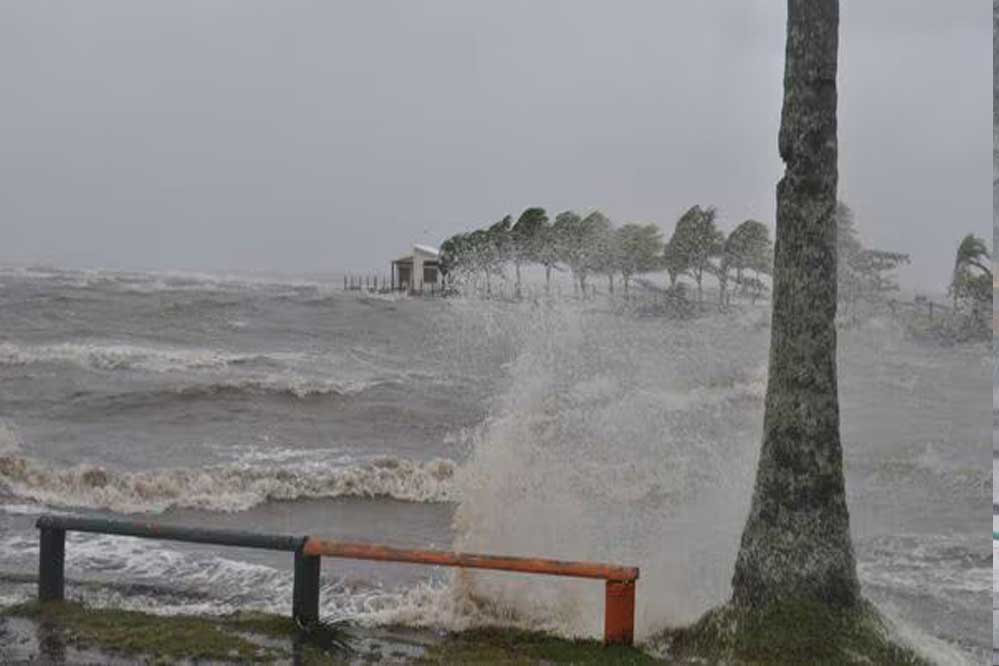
619	613
51	564
305	595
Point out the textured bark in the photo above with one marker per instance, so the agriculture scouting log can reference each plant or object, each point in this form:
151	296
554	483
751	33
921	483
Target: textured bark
796	544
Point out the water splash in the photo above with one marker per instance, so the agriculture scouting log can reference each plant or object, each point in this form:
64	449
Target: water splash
613	440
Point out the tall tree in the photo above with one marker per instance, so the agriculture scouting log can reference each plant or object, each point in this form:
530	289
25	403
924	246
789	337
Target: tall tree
604	252
796	543
546	250
862	273
848	248
453	257
501	238
639	248
580	242
674	260
569	241
971	282
748	247
696	240
972	257
487	250
525	238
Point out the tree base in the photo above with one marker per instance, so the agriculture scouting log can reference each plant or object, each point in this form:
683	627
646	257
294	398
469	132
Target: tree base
786	633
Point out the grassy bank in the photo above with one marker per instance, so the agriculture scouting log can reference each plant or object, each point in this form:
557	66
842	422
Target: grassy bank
270	639
236	638
785	635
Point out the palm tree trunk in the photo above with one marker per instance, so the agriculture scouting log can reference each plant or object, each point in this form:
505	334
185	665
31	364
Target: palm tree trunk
796	543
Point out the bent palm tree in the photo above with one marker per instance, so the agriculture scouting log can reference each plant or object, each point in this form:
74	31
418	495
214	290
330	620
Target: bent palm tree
972	256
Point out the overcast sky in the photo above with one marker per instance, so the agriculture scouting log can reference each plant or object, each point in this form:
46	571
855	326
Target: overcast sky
293	136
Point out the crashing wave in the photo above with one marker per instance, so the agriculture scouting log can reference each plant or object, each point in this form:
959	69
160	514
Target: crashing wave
292	385
258	373
124	357
231	487
289	385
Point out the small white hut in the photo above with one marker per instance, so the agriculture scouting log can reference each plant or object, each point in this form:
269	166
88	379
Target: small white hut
417	271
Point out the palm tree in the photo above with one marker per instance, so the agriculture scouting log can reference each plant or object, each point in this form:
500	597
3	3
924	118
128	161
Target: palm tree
972	254
796	543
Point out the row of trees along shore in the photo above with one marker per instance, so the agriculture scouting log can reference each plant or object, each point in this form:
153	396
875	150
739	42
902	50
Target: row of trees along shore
590	245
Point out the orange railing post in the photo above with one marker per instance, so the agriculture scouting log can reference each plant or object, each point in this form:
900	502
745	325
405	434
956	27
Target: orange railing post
619	612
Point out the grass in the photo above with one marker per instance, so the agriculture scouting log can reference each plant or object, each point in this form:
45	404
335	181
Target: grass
264	638
242	637
782	635
515	648
786	634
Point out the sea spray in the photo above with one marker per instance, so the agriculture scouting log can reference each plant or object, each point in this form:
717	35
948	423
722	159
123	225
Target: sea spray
622	442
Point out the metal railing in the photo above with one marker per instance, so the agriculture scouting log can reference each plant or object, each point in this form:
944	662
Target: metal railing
619	606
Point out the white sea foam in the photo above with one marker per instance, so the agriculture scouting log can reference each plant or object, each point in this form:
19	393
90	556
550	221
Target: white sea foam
210	371
233	487
153	281
920	562
113	356
289	383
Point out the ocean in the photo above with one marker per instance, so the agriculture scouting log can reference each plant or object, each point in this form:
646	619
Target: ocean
579	430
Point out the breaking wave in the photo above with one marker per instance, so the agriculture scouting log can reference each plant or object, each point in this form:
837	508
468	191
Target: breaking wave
97	356
158	281
288	385
212	373
612	441
230	487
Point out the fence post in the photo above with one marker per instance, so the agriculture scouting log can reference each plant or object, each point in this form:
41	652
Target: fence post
305	593
51	564
619	613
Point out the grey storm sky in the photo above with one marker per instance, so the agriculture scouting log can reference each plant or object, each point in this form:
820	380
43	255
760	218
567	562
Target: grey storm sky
324	136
